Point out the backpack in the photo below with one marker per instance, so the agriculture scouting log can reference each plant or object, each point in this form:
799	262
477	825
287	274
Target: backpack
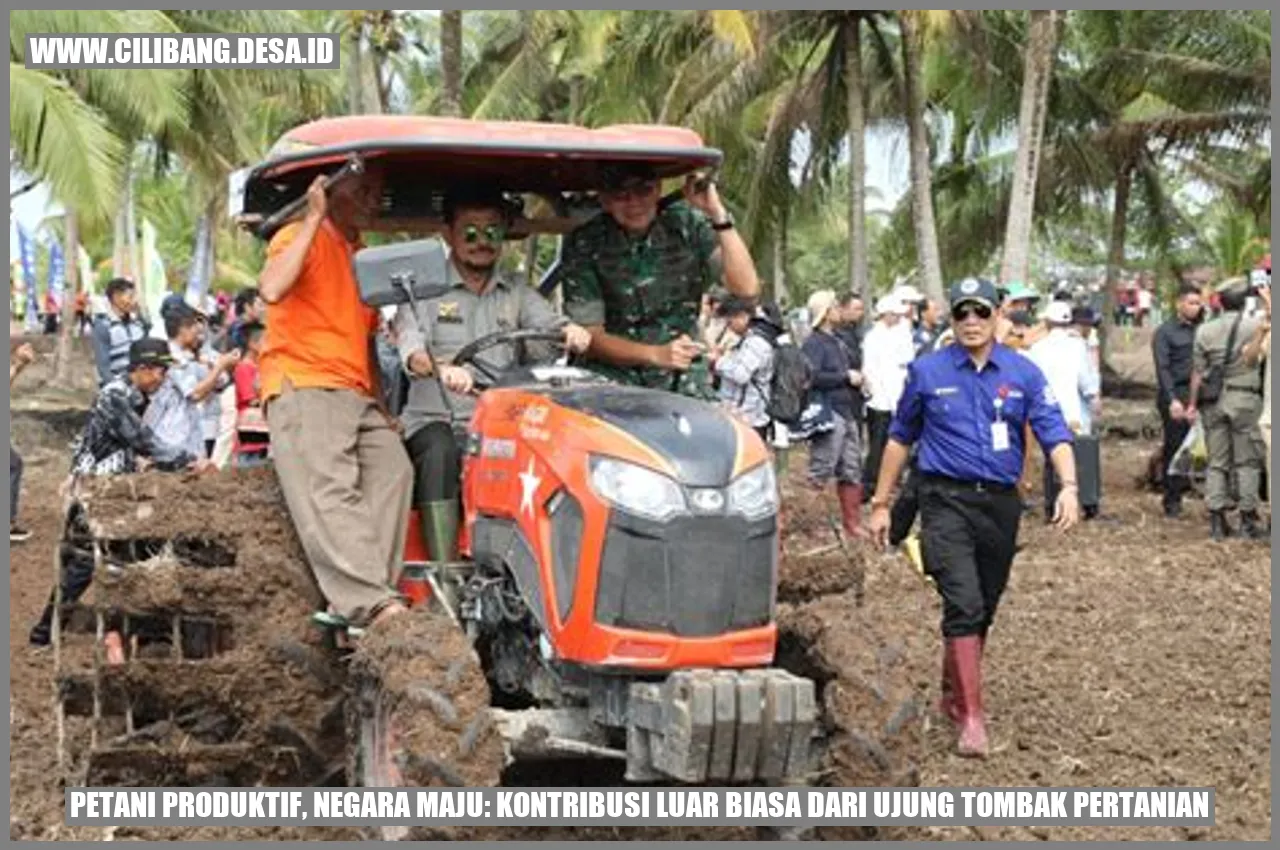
792	379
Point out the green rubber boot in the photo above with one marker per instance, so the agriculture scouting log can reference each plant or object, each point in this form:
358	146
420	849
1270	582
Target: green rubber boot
440	529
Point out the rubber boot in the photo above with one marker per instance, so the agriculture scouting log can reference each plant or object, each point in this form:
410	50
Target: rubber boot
1219	528
1250	527
948	706
851	509
440	529
968	684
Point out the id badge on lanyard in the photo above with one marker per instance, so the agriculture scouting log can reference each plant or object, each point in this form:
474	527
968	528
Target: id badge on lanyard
999	430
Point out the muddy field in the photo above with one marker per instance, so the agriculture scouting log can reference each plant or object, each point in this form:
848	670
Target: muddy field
1132	652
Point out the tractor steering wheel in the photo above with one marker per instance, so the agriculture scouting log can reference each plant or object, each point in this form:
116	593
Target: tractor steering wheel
467	355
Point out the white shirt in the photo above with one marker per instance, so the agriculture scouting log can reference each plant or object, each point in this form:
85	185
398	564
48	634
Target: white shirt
886	354
1064	359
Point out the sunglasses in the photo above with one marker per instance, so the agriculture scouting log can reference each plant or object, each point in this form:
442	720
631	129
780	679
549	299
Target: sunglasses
964	311
494	234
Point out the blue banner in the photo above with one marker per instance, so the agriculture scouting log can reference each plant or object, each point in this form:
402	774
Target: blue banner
27	248
57	274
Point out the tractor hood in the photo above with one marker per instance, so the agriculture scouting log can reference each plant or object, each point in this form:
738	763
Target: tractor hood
696	438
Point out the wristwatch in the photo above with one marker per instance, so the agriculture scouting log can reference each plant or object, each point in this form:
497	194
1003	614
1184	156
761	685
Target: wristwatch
721	226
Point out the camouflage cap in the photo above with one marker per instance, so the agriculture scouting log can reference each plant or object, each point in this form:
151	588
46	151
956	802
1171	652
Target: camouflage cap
1233	285
150	352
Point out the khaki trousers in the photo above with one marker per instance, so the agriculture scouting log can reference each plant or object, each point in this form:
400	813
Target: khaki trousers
348	483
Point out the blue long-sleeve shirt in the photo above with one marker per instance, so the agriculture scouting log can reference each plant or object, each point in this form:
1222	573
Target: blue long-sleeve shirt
949	408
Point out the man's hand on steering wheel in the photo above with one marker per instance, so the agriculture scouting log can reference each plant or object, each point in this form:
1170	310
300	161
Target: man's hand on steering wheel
576	338
457	379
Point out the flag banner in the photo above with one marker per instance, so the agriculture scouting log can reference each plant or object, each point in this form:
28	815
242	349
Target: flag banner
154	281
57	274
88	282
791	807
27	250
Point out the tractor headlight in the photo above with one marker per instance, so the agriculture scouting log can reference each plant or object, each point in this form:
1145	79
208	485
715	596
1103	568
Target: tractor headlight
636	489
754	494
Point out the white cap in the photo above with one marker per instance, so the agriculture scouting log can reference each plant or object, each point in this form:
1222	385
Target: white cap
889	304
388	312
820	303
908	294
1057	313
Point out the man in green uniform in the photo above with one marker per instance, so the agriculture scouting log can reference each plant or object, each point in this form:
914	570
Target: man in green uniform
635	276
1232	345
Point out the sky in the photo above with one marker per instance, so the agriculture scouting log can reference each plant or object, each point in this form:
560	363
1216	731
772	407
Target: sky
30	209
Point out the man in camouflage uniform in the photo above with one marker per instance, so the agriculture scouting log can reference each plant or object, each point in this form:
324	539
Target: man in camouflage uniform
1231	420
635	277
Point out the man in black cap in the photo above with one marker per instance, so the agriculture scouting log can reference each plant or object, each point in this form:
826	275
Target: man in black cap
967	407
635	276
114	442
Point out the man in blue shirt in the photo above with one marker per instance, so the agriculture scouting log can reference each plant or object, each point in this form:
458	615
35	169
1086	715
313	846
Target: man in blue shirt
967	406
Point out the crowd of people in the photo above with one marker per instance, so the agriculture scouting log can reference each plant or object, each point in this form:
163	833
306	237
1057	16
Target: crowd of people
930	410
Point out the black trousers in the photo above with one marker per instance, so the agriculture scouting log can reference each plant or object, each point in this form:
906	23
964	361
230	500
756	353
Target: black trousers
968	537
76	555
436	455
1175	431
878	422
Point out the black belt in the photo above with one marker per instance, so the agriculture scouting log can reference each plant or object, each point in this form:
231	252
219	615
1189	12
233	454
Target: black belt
1238	388
969	486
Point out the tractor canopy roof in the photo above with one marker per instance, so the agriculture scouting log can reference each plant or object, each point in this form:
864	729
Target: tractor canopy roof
423	157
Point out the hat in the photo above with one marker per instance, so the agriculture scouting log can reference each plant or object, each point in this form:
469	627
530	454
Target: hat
1016	290
1238	285
820	303
150	352
973	290
887	304
1084	315
908	294
624	175
1057	313
734	304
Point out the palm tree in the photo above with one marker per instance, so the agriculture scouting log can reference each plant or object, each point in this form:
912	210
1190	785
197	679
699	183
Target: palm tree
451	61
1037	72
913	26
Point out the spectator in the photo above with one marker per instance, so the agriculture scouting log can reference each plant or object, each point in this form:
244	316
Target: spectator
1172	348
886	354
851	329
19	358
1227	382
745	370
395	381
928	328
250	309
713	327
1264	295
835	453
116	329
115	441
195	379
1086	327
253	438
1064	359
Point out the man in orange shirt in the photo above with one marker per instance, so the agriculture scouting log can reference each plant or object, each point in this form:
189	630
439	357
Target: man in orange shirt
338	454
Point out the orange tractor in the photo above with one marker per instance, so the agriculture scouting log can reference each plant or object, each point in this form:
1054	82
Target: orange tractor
610	592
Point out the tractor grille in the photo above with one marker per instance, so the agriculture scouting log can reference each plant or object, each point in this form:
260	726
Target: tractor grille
692	577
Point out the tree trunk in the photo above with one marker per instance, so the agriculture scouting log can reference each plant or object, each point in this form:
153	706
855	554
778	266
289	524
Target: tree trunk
71	276
355	74
451	61
926	230
856	86
131	227
1036	75
531	259
778	289
1115	256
